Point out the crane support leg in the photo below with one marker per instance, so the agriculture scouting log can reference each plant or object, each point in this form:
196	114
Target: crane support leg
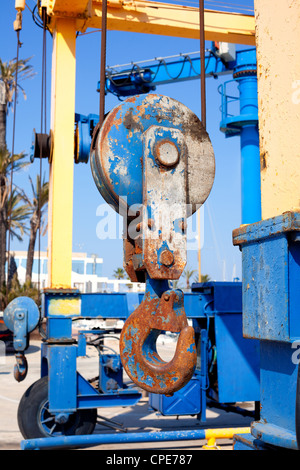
278	77
61	167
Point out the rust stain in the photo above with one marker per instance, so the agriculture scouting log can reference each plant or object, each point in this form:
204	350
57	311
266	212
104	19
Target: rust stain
132	122
263	160
144	366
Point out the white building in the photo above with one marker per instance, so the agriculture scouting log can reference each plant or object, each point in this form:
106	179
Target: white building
86	274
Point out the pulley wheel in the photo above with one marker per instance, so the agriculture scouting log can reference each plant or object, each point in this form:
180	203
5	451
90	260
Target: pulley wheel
117	155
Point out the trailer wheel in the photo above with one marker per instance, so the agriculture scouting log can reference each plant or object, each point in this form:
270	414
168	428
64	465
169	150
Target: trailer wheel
35	421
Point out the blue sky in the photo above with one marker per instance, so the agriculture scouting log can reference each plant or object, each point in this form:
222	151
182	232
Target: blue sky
222	211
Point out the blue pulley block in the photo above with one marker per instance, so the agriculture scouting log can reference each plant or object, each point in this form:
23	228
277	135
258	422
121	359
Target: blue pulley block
21	316
117	155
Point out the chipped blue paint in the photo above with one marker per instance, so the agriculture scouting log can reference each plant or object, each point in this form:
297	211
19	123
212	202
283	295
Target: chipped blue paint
156	314
124	145
192	348
133	332
164	246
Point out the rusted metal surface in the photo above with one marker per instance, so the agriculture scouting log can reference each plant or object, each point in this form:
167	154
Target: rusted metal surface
165	201
287	222
153	152
153	161
138	344
270	260
21	367
202	62
103	62
119	148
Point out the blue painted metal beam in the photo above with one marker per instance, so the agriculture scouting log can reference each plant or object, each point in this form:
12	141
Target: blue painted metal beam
142	78
96	439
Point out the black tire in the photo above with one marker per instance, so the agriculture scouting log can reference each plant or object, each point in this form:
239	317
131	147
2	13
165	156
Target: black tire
35	421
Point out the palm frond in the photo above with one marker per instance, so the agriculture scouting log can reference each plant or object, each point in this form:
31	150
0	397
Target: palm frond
8	72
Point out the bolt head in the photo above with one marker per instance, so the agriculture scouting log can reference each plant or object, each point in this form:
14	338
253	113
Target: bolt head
167	153
166	258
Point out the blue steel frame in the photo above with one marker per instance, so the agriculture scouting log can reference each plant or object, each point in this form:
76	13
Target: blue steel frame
245	125
214	308
211	304
233	361
271	299
59	351
143	78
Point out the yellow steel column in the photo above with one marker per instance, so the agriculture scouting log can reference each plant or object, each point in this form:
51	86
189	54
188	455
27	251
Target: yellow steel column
62	165
278	61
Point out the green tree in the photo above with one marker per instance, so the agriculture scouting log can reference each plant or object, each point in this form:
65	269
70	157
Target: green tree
17	290
119	273
204	278
175	284
37	207
187	274
12	212
11	74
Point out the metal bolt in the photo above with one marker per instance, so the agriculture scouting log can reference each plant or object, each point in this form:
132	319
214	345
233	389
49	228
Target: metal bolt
183	225
167	153
61	418
20	315
166	258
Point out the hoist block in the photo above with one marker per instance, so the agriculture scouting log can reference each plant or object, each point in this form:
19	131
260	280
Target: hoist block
153	161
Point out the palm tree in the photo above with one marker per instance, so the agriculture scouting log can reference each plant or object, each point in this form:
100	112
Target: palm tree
188	273
17	290
175	284
11	72
204	278
37	206
12	214
119	273
17	215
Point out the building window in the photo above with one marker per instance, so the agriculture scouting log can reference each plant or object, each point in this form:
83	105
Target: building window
36	266
45	267
94	268
23	262
78	267
79	286
100	286
88	287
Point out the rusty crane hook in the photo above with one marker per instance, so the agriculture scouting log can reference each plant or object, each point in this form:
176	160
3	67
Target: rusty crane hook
139	356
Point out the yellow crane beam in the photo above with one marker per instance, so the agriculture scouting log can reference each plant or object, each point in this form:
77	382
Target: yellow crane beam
60	217
155	18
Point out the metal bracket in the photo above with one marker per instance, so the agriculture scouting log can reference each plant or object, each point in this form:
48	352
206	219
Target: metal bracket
21	316
164	202
158	313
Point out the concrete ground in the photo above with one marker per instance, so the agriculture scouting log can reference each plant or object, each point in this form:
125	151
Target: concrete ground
130	419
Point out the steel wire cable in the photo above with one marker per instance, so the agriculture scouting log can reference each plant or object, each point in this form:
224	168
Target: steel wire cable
43	130
12	156
103	62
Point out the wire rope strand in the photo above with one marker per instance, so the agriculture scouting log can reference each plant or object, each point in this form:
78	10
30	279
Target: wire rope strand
103	62
12	158
202	63
43	130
